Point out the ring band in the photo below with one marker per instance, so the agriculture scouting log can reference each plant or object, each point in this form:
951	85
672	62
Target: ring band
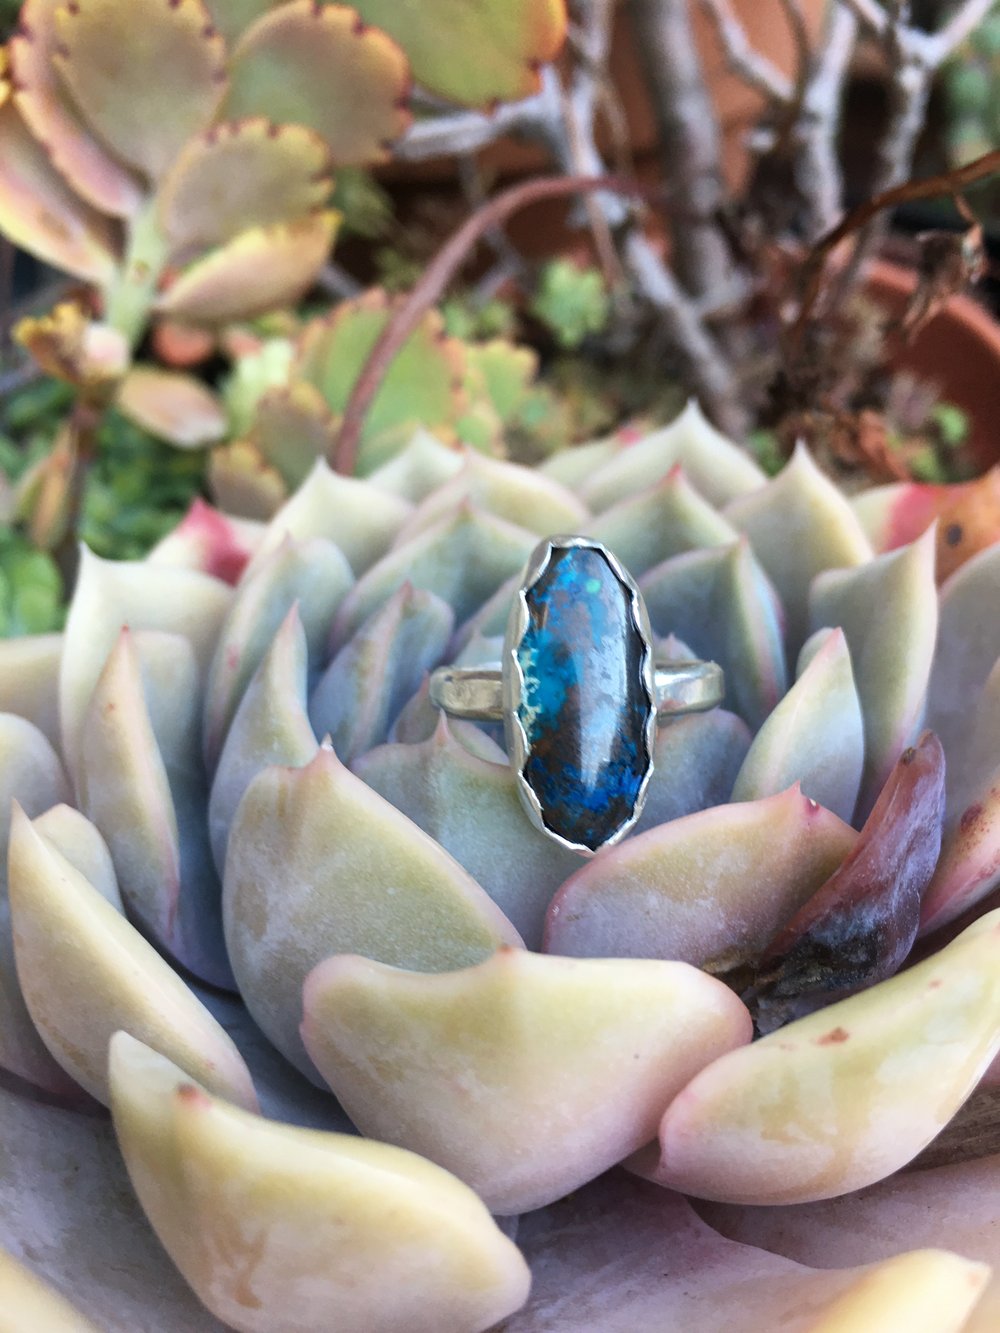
579	693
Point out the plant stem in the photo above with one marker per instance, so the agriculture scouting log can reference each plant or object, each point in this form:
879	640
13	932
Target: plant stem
130	296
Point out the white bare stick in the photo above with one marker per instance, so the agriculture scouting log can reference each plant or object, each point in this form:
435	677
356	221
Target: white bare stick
743	59
817	167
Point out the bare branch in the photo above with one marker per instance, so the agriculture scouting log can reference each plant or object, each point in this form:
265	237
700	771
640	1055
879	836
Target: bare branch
966	18
870	15
743	59
818	174
467	131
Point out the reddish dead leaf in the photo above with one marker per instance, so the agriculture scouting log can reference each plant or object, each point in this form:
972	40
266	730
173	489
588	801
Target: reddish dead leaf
860	926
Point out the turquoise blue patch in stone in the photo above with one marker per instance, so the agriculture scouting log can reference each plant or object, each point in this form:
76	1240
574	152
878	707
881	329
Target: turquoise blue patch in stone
584	706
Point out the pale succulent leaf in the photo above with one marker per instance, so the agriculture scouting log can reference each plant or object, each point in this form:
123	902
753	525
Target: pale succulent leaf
376	1234
30	772
241	174
29	681
419	468
815	736
800	524
27	1302
315	65
319	864
145	107
565	1065
695	763
709	889
364	688
259	270
75	838
22	1051
209	541
867	1083
470	805
969	866
174	407
573	465
419	719
243	483
888	611
76	153
292	428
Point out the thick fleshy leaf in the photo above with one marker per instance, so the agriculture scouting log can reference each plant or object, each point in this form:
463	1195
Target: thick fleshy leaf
721	603
67	1211
504	42
41	214
360	519
174	407
860	925
671	517
243	483
969	867
800	524
717	468
146	76
292	428
564	1065
695	763
319	864
27	1302
815	736
257	271
233	17
363	689
70	345
86	973
312	573
419	468
423	386
209	541
470	805
316	65
271	726
968	649
240	174
572	465
29	681
79	842
279	1227
888	611
518	494
144	596
866	1084
620	1256
30	772
462	559
76	153
710	889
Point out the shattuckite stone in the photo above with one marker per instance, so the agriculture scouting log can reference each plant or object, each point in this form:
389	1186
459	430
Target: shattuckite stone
584	706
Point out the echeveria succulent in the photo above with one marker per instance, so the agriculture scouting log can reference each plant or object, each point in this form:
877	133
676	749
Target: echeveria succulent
353	1015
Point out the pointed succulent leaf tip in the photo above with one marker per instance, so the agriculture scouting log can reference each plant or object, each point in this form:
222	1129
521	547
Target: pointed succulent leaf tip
318	66
22	1051
860	925
28	1302
866	1083
275	1226
721	603
240	174
76	839
463	559
76	153
646	529
673	1272
814	737
30	772
210	542
146	106
695	763
257	271
969	866
508	490
419	720
29	681
572	465
423	385
888	610
564	1065
709	889
110	594
85	973
503	43
271	726
312	573
800	524
359	518
243	483
419	468
41	214
319	864
489	621
469	804
174	407
366	685
968	649
293	427
717	468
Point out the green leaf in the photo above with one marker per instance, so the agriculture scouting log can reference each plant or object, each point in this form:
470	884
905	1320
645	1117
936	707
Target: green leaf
571	302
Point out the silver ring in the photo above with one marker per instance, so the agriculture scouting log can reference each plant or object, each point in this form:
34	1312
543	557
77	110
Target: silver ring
579	693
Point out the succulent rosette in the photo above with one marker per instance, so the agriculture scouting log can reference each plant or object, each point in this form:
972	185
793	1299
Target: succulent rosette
379	1054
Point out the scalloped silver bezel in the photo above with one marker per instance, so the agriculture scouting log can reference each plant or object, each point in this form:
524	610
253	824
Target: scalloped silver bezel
512	678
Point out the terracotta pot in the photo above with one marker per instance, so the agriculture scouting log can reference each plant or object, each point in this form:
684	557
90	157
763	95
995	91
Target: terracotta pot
958	349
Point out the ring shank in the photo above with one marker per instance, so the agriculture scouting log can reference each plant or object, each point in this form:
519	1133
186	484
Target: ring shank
476	693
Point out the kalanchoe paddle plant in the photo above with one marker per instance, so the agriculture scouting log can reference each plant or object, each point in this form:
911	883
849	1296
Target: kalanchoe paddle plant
262	898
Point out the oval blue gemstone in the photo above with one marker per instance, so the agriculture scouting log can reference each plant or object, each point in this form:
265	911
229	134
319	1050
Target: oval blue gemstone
584	706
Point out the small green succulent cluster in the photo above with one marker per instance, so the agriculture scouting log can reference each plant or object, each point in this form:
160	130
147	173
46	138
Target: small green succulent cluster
262	899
